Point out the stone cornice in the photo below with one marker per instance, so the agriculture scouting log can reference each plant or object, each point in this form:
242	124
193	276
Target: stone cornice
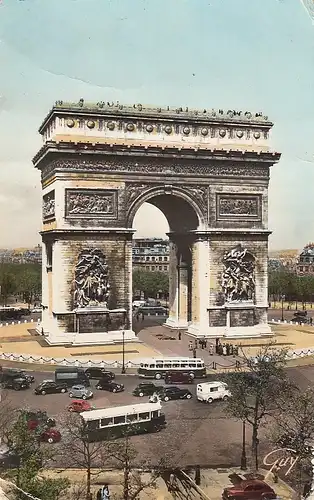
138	111
87	231
172	151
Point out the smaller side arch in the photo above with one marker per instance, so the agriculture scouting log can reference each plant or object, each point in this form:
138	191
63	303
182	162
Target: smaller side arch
169	200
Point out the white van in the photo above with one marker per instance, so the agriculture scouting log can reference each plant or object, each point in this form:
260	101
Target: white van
209	391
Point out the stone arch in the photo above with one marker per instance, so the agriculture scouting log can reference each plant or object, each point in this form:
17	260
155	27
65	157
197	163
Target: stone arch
180	208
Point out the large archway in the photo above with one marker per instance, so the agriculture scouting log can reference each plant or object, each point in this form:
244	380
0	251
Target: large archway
184	219
206	170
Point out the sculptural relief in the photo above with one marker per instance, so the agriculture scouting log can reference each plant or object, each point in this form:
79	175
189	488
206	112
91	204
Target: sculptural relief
49	205
89	203
238	282
237	206
91	280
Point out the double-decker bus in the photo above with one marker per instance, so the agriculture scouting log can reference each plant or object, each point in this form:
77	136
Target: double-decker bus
158	367
118	421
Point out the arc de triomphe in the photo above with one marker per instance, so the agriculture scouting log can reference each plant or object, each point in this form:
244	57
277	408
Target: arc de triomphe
206	170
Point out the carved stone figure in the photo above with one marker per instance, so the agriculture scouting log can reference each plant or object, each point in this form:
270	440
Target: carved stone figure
91	279
49	205
238	206
238	282
85	202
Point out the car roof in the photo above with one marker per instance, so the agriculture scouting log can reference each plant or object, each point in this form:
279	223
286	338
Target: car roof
79	401
47	380
249	482
78	386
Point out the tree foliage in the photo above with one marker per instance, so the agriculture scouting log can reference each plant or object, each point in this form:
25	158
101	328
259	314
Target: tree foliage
254	392
289	284
26	445
150	283
22	280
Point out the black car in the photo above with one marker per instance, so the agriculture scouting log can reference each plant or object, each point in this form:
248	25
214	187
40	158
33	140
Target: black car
13	381
15	372
167	393
50	387
108	385
145	389
99	373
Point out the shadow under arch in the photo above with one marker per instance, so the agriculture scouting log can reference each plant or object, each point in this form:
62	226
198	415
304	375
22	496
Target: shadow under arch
181	211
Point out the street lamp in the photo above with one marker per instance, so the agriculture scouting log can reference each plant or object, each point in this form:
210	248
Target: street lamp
123	360
283	297
243	456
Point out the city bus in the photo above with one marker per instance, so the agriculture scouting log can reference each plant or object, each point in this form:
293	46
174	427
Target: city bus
158	367
118	421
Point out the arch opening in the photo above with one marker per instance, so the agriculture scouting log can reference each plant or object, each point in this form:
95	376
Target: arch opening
182	219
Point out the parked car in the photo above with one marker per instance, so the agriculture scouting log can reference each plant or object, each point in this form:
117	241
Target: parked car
78	406
15	372
81	392
178	378
108	385
98	373
9	459
38	418
249	490
167	393
50	387
145	389
13	381
50	436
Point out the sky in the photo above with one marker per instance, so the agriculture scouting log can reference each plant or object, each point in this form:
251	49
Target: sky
238	54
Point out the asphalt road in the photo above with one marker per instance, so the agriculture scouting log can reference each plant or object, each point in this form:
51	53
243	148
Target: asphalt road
196	433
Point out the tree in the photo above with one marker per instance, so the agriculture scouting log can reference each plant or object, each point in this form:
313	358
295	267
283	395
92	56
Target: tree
29	283
294	427
254	392
151	283
26	445
133	480
7	283
78	451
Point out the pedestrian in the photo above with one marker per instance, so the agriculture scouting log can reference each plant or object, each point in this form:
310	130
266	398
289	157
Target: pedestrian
137	316
224	350
194	353
231	350
142	316
306	489
227	349
190	345
217	346
179	335
205	343
236	350
98	496
311	321
211	350
105	495
202	344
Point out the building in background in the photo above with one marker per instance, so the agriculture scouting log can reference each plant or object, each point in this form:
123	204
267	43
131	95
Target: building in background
305	264
151	254
21	255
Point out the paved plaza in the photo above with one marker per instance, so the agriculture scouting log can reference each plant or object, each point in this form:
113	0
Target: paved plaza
154	340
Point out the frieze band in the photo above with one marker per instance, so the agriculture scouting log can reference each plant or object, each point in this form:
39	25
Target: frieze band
238	206
91	203
48	207
248	169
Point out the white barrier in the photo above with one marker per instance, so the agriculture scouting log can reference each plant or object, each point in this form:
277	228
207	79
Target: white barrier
20	322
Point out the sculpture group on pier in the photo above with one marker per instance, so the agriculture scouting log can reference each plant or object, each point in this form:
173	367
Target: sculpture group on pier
91	280
238	283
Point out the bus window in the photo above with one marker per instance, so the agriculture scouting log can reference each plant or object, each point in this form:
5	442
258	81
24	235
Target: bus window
146	365
144	416
159	365
155	414
151	366
106	421
119	420
199	365
184	365
132	418
167	365
176	365
192	365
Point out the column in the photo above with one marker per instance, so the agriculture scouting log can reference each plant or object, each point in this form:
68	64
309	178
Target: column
172	320
183	296
200	287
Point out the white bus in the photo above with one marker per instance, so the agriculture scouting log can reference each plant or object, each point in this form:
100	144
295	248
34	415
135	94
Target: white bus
117	421
158	367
